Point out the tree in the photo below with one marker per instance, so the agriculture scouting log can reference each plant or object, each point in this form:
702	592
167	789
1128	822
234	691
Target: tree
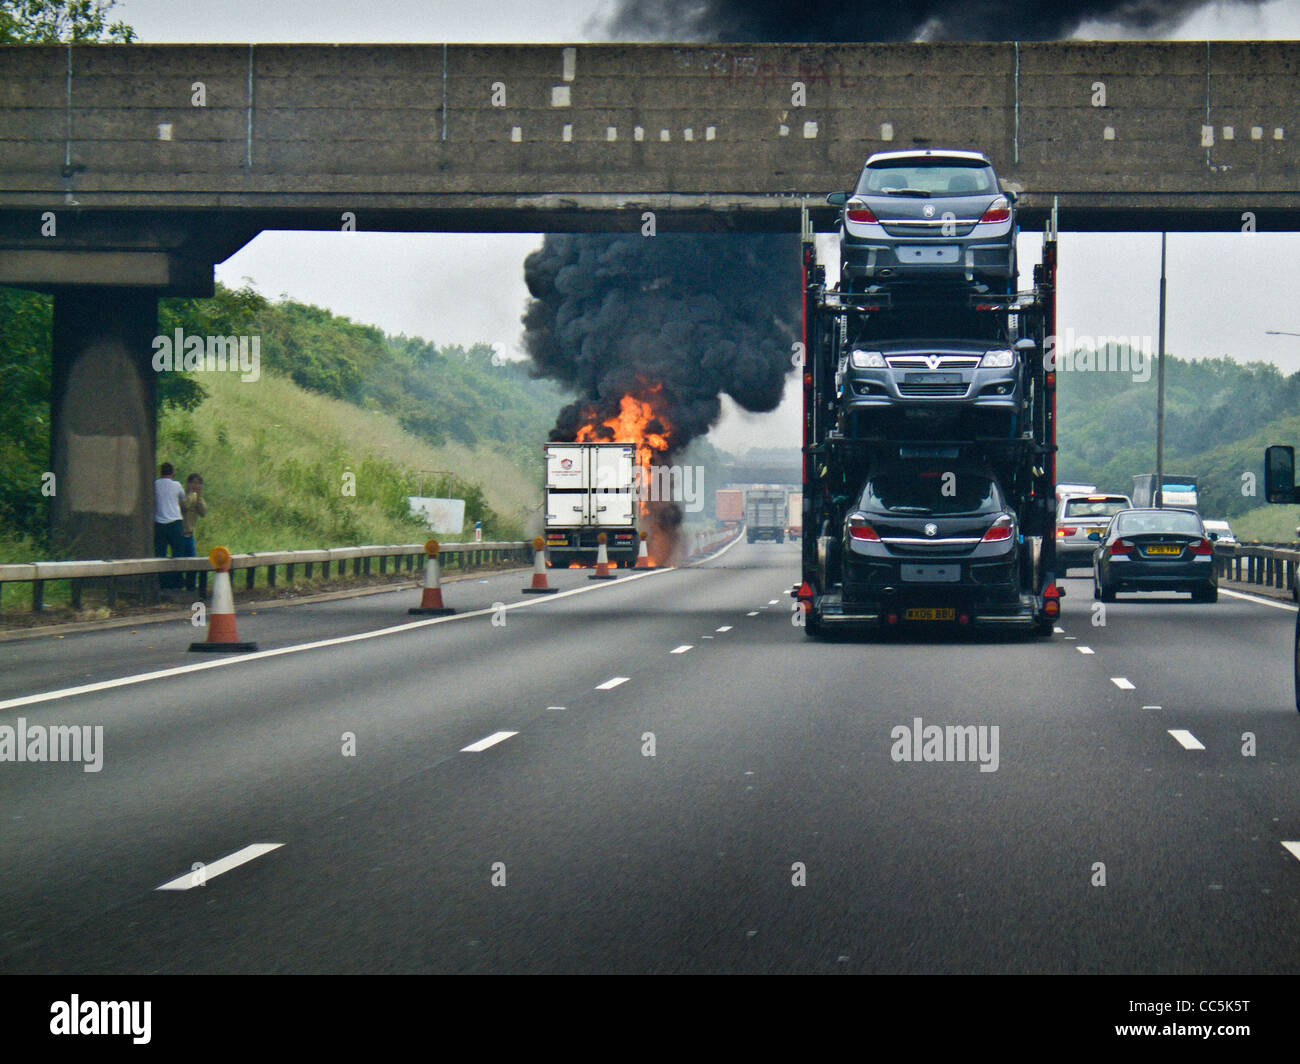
52	21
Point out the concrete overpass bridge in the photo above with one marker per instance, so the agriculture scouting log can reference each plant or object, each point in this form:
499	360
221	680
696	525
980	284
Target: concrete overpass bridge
127	171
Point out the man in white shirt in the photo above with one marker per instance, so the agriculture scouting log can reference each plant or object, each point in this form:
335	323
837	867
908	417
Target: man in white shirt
168	530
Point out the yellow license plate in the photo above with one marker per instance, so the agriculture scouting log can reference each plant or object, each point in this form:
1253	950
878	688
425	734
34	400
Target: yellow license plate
930	614
1164	550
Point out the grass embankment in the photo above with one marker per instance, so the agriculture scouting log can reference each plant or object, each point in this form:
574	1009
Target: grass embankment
274	459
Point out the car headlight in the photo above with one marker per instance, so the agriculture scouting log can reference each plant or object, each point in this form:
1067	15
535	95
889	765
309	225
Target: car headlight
998	360
867	360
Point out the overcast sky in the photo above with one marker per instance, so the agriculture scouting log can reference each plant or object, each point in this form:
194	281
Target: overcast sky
1225	291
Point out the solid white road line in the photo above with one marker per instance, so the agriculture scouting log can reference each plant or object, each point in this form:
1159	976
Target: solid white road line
1186	739
609	685
681	649
1122	683
259	655
199	876
724	628
1257	599
1085	650
491	740
1293	848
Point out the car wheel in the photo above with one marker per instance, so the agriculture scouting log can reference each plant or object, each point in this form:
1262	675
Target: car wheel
1044	627
812	625
1103	592
1209	593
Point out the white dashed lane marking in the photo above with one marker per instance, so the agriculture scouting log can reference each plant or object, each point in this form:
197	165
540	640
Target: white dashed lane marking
201	875
610	684
491	740
752	613
724	628
681	649
1293	848
1186	739
1122	684
1085	650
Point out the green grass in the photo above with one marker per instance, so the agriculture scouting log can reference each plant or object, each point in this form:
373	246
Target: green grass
274	458
1267	524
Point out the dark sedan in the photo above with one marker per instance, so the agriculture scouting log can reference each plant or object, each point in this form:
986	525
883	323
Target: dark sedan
1155	550
927	215
933	541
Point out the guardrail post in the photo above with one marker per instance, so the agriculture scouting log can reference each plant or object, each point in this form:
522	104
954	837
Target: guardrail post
203	583
38	595
288	573
76	593
250	578
365	565
270	576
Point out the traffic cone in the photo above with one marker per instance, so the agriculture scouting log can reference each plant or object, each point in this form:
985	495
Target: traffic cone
221	617
643	556
539	585
602	560
431	599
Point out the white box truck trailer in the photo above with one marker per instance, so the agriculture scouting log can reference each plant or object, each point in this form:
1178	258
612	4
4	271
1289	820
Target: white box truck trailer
591	488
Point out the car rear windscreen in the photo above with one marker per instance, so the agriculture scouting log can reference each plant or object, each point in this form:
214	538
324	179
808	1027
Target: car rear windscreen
1094	507
1180	523
941	177
932	493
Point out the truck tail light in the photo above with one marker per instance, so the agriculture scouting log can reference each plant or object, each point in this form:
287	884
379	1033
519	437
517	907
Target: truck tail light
999	211
1121	546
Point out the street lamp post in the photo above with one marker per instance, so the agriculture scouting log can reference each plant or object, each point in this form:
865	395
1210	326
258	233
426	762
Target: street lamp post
1160	387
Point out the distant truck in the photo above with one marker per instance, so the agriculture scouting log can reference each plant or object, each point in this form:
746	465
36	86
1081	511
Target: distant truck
729	506
1178	491
765	514
794	519
591	488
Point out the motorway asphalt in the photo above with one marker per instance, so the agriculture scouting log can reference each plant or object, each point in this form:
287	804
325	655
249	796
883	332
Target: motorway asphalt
563	847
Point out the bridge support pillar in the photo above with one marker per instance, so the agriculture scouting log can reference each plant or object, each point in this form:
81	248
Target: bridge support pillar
103	407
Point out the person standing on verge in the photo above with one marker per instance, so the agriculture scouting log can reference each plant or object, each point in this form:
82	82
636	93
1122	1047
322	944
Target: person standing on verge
192	508
167	527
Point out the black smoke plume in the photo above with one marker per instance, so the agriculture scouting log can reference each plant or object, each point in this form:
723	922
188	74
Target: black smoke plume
678	320
745	21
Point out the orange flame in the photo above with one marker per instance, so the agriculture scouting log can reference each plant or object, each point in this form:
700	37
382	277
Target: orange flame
631	425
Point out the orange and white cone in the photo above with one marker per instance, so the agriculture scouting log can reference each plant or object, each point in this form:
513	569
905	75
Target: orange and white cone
643	556
221	615
539	585
431	598
602	560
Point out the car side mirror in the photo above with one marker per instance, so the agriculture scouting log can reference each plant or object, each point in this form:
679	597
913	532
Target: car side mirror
1011	196
837	199
1279	474
1214	536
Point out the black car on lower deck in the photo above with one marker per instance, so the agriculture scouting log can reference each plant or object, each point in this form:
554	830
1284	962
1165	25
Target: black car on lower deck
1155	550
932	540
